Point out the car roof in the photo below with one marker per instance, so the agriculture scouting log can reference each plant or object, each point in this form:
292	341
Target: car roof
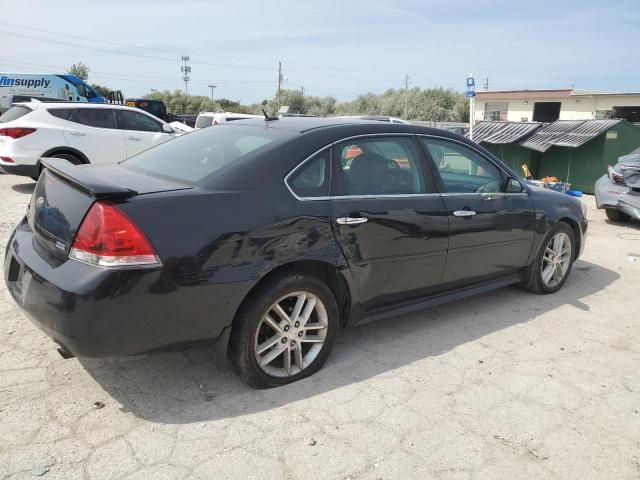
37	104
357	125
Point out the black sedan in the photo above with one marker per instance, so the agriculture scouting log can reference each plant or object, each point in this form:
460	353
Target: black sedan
269	236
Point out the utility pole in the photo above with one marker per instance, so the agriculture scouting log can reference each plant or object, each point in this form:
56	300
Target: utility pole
486	84
406	97
212	87
279	81
186	70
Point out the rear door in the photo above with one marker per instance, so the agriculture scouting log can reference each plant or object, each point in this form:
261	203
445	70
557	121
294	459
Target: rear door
389	221
141	131
490	230
92	131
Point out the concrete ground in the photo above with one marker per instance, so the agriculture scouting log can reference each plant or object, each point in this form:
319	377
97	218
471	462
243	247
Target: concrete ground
508	385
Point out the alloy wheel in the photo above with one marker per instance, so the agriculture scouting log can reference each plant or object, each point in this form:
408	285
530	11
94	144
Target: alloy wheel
556	259
291	334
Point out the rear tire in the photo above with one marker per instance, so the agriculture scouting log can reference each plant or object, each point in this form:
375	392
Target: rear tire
536	279
616	215
266	349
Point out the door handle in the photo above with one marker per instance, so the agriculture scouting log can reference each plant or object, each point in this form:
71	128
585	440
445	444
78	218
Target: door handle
464	213
135	139
76	133
351	220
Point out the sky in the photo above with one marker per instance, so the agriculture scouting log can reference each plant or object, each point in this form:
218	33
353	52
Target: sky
329	47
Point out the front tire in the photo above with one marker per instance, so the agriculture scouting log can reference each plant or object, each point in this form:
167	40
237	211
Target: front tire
616	215
284	332
551	267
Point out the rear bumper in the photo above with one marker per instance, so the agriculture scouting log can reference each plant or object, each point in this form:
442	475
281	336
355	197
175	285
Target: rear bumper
18	169
96	312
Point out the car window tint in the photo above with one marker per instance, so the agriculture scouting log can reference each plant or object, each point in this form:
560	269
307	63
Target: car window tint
204	121
378	166
463	170
63	113
312	178
130	120
14	113
94	117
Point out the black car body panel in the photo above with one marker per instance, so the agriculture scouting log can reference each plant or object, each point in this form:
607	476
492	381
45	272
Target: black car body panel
219	238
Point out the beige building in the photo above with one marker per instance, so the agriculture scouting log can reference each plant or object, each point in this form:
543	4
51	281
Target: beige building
551	105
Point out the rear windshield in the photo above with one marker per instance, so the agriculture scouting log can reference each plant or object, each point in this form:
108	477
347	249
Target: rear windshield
202	122
14	113
195	156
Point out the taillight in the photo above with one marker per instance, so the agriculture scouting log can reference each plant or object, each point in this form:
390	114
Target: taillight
7	160
614	176
108	238
16	132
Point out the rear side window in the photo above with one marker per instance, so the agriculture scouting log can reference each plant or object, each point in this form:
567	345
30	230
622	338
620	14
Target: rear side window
14	113
378	166
63	113
311	179
94	117
192	158
130	120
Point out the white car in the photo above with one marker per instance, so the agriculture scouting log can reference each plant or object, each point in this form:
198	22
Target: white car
78	132
208	119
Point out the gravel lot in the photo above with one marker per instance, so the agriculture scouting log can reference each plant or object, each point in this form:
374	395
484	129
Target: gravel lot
508	385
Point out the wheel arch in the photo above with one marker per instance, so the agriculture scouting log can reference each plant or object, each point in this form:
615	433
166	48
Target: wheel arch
576	232
328	273
67	150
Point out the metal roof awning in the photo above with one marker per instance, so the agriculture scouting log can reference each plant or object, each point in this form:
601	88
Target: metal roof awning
585	132
545	137
567	133
503	132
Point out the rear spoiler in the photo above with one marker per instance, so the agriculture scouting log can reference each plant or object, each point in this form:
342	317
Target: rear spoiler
85	180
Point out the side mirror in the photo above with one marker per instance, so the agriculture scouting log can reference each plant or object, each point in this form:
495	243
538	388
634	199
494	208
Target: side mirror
514	186
166	128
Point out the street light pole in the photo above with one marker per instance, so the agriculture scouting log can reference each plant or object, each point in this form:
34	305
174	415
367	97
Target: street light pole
212	87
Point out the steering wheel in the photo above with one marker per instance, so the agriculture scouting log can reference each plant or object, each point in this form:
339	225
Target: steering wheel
393	163
492	186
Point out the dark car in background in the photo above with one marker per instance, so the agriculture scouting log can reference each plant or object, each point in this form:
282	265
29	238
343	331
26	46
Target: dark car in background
269	236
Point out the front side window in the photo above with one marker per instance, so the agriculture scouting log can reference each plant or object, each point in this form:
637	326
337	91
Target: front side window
462	170
94	117
312	178
377	166
130	120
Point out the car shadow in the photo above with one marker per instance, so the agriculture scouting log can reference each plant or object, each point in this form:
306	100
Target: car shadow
26	188
186	387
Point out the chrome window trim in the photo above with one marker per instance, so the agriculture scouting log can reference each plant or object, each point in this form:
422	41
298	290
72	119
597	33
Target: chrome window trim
407	195
340	197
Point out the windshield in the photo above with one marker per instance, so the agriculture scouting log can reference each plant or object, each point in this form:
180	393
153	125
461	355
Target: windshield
196	156
204	121
14	113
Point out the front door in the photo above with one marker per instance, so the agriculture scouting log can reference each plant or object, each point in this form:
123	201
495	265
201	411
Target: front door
141	131
388	220
490	231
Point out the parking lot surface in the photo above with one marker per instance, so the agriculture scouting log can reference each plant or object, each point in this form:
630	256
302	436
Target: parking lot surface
506	385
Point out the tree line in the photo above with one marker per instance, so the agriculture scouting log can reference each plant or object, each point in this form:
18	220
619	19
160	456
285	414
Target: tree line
428	104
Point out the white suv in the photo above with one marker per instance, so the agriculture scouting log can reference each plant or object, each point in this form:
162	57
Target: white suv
78	132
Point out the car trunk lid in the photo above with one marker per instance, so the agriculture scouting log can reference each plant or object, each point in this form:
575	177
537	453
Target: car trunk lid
65	192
